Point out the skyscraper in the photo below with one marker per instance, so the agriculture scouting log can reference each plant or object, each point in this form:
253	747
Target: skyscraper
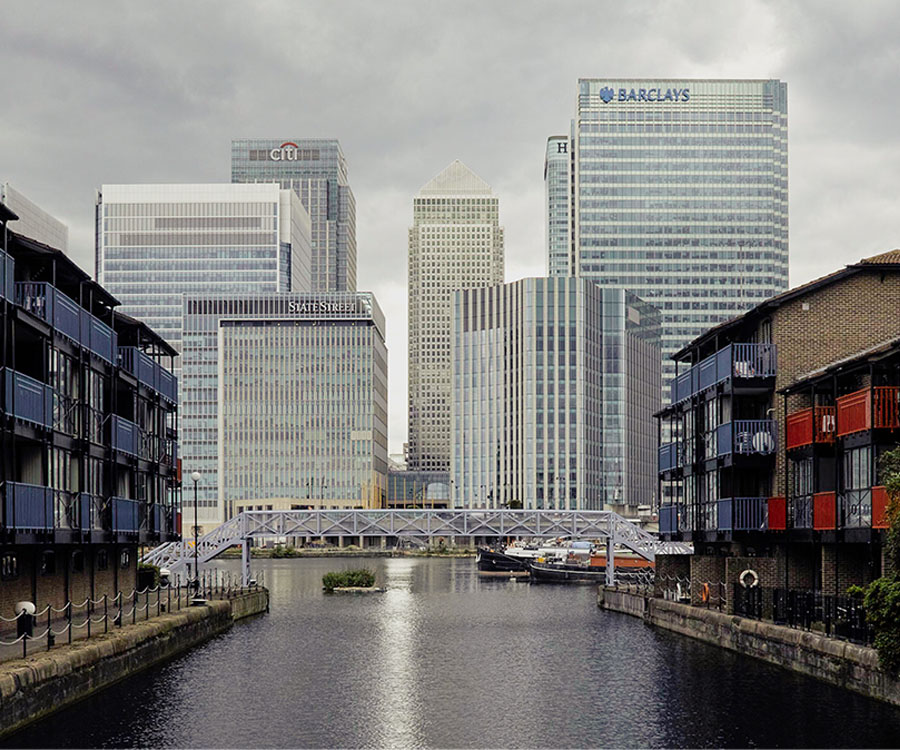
677	191
555	382
455	242
156	243
315	169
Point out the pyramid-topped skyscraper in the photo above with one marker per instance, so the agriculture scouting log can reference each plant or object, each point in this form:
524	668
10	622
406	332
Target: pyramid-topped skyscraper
455	242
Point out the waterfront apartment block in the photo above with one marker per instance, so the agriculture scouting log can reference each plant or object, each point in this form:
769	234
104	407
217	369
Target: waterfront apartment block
455	242
156	243
287	397
677	191
316	170
777	420
89	417
555	383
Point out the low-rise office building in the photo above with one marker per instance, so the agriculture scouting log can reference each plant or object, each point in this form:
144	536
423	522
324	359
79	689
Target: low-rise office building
89	418
555	383
289	393
778	418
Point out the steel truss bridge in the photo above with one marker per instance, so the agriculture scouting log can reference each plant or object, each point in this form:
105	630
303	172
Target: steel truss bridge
601	525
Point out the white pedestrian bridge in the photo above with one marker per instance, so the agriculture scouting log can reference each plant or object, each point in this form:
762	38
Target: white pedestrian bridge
601	525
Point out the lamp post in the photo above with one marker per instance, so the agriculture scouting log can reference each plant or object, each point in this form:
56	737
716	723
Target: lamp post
196	477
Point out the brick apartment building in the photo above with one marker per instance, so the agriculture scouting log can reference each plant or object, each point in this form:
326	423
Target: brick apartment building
88	467
769	449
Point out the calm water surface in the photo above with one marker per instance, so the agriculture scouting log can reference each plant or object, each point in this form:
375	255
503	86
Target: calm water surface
445	659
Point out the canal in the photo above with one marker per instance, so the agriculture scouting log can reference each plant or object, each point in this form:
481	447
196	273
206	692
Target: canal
445	659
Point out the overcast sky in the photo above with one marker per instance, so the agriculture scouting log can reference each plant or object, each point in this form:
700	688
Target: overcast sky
109	92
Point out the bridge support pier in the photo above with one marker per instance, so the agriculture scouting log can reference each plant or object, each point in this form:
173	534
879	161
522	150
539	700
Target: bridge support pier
610	562
245	561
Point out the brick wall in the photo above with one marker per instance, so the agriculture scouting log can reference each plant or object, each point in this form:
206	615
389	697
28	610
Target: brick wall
767	571
849	564
670	568
706	569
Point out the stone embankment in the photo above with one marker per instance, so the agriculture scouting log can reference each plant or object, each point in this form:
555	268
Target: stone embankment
828	659
32	688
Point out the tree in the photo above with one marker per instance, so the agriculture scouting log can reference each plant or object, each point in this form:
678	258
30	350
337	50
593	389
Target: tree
889	470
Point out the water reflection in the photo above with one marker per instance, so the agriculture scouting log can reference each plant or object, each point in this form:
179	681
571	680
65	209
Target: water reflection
445	659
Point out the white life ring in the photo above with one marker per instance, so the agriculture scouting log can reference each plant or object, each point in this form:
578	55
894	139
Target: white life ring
749	578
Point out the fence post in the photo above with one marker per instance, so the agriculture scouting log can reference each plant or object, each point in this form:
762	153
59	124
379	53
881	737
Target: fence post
134	596
147	603
69	620
49	631
89	605
105	614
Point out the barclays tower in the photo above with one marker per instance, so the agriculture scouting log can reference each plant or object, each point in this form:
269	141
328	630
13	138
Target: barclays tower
677	191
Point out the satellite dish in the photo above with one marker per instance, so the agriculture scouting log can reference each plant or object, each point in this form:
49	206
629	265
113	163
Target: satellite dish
763	442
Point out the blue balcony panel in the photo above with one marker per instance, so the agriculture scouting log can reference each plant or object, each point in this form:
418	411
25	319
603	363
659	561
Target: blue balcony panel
28	399
668	519
743	514
125	515
723	439
27	507
7	276
125	435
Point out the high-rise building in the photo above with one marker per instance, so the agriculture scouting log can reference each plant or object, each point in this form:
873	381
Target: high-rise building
156	243
678	191
33	221
314	168
287	397
555	382
455	242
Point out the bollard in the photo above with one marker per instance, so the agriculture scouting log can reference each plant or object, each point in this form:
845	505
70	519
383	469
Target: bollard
25	624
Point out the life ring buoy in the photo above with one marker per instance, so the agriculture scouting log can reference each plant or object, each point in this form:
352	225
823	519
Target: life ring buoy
704	592
749	578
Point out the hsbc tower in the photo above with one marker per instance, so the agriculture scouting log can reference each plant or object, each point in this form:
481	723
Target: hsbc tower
316	170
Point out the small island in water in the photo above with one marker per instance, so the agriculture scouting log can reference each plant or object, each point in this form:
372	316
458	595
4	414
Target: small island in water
349	581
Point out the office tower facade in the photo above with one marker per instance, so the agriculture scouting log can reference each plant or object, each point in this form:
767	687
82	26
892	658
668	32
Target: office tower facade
678	192
33	221
287	397
315	169
455	242
555	382
156	243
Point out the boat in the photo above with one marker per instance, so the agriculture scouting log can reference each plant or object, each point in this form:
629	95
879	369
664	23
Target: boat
556	572
516	557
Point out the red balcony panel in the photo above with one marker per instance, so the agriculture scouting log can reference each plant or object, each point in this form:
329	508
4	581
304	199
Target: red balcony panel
823	511
808	426
777	514
879	508
857	412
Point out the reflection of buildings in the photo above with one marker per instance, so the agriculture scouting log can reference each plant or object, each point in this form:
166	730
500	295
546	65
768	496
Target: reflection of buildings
290	393
418	489
88	463
555	382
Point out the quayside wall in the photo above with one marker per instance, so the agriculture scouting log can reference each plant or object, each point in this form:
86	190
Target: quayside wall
828	659
33	688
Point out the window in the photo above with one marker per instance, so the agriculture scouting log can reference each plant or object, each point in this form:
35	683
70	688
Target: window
102	559
77	561
124	559
9	567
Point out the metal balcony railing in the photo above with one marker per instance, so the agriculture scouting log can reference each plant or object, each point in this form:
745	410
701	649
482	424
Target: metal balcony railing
27	507
148	371
743	514
802	512
755	437
739	361
668	519
28	399
867	409
125	435
669	456
808	426
67	317
823	511
856	509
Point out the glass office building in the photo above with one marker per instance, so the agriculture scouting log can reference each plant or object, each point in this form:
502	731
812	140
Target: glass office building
285	401
314	168
155	243
455	242
677	191
555	382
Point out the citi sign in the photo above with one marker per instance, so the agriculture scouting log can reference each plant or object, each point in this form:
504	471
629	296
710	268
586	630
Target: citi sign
644	95
287	151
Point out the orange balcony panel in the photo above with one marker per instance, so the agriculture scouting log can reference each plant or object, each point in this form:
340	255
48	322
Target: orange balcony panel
808	426
823	511
777	514
857	411
879	508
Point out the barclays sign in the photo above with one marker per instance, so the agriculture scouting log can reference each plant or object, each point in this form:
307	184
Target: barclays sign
608	94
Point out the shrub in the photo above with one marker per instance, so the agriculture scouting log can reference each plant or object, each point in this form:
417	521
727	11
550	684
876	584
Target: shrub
882	603
147	576
348	578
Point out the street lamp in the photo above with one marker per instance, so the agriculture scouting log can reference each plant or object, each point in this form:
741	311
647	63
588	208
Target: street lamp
196	477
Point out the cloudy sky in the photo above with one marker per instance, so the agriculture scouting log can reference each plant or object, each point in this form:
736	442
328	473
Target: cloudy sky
102	92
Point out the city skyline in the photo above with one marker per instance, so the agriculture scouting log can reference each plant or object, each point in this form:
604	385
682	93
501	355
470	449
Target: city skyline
197	97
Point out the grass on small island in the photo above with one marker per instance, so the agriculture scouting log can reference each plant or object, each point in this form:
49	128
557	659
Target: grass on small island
348	579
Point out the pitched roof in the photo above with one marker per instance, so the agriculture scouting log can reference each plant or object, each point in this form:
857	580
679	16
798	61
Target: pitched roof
891	256
456	179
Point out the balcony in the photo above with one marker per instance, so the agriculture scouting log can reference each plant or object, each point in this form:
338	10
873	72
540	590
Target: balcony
668	519
856	509
67	317
743	514
669	456
125	515
823	511
125	436
27	507
738	361
867	409
777	514
7	277
809	426
802	512
148	371
745	437
28	399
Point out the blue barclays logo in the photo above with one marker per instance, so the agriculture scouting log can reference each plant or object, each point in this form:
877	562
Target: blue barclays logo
645	95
